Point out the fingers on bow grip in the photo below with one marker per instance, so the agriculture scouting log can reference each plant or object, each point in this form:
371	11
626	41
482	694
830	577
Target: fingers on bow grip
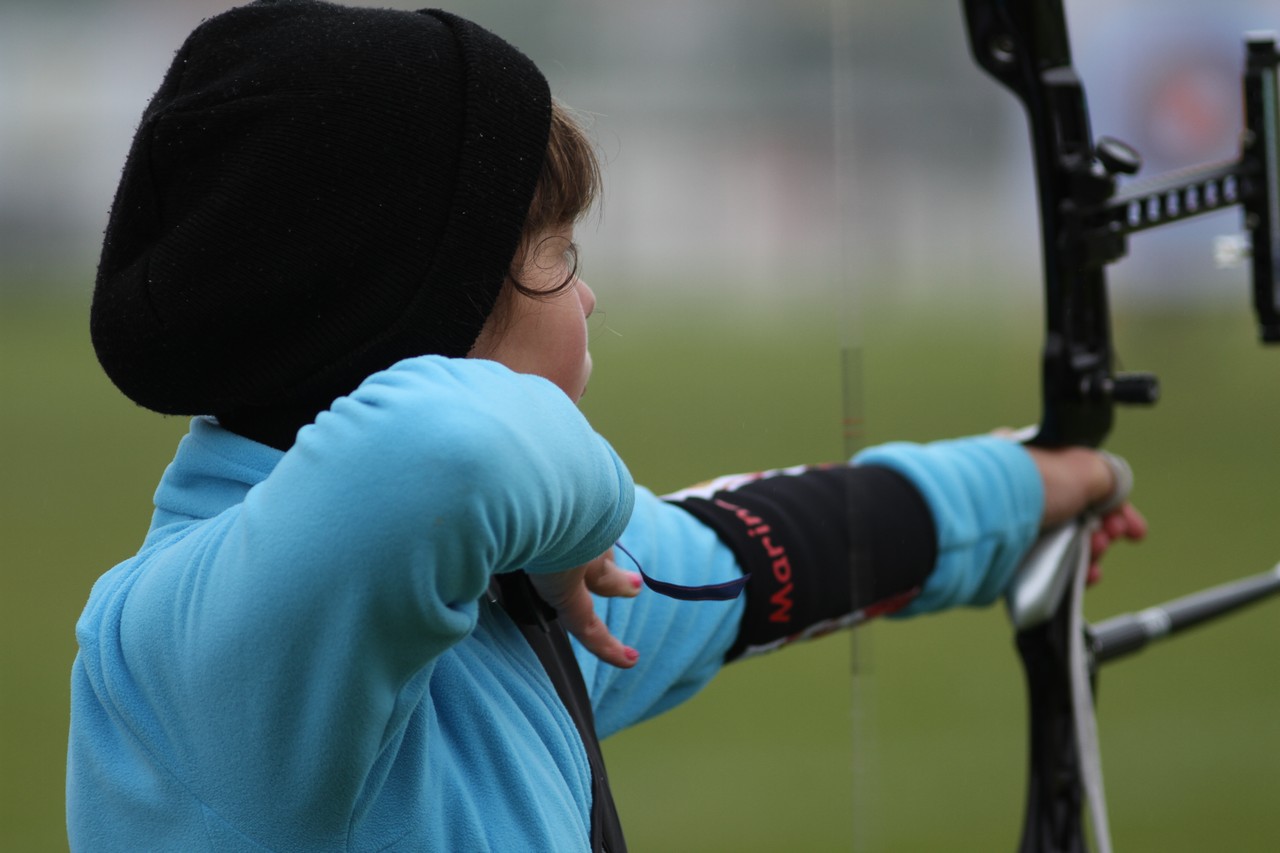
1122	477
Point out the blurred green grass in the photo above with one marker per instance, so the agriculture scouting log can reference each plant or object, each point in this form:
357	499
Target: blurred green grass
923	748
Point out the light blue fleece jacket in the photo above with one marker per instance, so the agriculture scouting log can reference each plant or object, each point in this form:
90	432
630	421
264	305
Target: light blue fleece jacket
302	657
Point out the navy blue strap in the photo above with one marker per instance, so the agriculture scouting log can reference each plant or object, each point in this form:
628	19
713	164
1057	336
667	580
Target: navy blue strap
726	591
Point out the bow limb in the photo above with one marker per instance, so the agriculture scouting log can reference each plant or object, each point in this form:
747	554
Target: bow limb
1084	222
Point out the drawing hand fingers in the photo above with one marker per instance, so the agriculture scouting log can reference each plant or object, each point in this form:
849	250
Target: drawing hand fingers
580	619
605	577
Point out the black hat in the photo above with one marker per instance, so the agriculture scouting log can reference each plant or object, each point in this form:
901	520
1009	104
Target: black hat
314	193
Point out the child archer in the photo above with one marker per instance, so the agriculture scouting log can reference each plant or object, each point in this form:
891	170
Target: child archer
343	242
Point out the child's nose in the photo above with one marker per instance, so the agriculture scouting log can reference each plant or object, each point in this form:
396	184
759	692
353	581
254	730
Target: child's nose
587	298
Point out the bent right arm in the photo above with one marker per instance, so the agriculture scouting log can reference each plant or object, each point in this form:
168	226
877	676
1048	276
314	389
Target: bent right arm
279	644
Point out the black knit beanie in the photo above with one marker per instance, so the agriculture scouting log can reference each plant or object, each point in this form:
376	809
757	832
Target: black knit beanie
314	193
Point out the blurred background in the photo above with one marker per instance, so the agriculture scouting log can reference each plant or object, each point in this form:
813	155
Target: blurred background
814	210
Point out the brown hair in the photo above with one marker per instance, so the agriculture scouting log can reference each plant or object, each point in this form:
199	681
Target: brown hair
568	185
570	177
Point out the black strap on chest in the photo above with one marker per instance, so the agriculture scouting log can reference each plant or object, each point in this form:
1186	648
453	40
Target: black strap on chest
537	621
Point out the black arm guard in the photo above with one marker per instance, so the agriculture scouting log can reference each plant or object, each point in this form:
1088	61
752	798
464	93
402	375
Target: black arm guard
826	548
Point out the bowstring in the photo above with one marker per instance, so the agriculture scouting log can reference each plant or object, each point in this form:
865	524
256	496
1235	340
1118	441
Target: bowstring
853	425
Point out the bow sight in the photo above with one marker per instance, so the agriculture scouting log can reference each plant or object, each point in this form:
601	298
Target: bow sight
1085	222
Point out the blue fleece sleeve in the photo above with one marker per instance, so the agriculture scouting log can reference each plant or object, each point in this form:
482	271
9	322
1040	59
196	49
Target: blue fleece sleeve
328	592
986	497
682	644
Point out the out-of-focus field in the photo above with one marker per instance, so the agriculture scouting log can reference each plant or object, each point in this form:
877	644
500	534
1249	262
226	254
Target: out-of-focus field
923	748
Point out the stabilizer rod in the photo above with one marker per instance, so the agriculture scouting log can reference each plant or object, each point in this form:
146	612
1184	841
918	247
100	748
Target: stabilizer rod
1123	635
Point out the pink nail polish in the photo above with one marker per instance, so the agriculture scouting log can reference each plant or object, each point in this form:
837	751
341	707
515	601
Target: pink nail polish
636	583
631	654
